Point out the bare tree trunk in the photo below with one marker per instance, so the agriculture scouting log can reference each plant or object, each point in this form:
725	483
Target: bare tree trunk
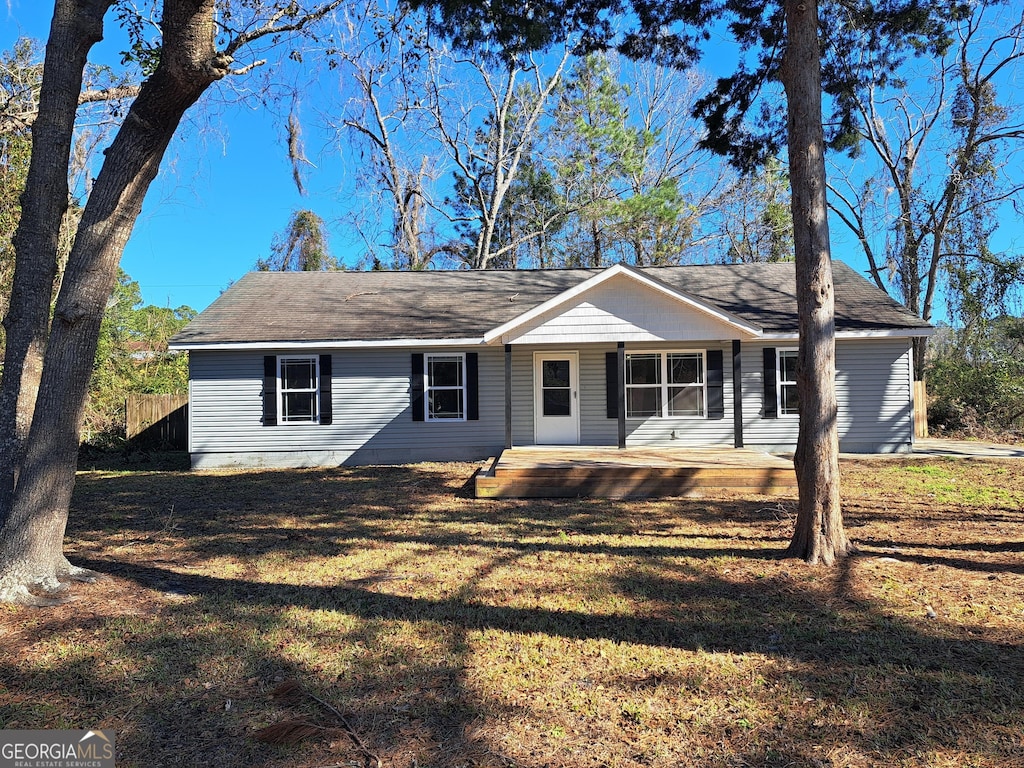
819	534
77	25
31	541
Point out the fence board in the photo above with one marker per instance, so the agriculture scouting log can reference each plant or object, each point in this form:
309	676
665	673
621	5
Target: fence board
920	409
157	420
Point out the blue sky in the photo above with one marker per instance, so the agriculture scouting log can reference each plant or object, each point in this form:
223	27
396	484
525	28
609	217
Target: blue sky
224	190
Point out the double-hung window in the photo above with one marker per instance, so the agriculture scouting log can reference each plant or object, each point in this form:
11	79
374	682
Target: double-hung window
665	385
789	404
445	387
298	392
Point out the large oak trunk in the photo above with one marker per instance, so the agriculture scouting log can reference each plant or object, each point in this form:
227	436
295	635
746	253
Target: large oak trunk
31	540
77	25
819	534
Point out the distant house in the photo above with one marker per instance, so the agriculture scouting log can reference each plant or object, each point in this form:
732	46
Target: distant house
329	368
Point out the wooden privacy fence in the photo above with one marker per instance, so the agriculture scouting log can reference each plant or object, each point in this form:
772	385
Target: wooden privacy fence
159	420
920	409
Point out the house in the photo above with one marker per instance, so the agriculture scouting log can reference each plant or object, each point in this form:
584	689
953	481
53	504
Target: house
329	368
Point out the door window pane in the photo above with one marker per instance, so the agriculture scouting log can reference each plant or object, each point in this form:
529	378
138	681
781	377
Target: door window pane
557	402
555	373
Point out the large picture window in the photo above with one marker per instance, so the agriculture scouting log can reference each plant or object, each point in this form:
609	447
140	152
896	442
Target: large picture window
299	388
665	385
445	387
789	404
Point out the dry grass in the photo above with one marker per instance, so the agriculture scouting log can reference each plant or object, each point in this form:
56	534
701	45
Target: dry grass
446	631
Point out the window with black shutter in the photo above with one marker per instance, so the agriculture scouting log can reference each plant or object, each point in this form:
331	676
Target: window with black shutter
297	389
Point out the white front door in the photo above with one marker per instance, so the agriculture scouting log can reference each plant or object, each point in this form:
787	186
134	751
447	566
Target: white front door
556	398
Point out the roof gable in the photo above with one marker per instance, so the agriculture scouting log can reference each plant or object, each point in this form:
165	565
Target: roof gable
622	304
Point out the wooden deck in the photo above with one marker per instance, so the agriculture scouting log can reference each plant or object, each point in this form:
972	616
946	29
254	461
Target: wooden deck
569	471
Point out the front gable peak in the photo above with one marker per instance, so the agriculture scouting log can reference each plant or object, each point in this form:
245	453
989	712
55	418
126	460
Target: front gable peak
622	303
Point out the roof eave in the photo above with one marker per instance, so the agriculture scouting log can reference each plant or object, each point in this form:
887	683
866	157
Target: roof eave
874	333
323	344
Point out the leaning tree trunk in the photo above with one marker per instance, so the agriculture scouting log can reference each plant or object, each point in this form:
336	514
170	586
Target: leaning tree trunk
31	541
819	534
77	25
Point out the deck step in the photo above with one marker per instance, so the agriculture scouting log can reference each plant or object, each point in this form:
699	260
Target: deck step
533	473
533	488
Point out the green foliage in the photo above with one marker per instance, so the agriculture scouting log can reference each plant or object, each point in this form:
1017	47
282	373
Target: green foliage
976	380
143	46
757	218
653	224
611	171
14	157
20	77
302	247
132	356
591	121
864	42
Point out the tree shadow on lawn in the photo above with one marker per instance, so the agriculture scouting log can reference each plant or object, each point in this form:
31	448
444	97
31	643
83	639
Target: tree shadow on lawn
817	668
882	687
329	512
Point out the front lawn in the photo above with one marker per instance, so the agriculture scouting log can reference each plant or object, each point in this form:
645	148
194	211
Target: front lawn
417	626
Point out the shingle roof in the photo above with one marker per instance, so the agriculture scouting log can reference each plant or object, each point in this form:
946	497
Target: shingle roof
380	306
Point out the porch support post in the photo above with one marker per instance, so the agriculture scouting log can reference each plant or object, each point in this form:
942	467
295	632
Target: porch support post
508	396
737	395
621	365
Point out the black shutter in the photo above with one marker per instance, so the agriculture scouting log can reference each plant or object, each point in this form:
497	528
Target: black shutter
269	390
472	388
771	400
716	385
326	407
416	387
611	384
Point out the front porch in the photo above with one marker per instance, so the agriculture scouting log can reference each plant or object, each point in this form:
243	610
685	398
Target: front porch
609	472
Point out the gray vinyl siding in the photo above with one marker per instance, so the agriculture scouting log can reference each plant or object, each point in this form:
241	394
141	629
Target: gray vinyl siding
873	383
595	426
372	419
623	310
373	422
522	395
778	434
689	431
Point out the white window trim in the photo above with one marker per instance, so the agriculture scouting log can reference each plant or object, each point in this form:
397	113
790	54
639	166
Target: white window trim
427	388
281	359
779	352
665	384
